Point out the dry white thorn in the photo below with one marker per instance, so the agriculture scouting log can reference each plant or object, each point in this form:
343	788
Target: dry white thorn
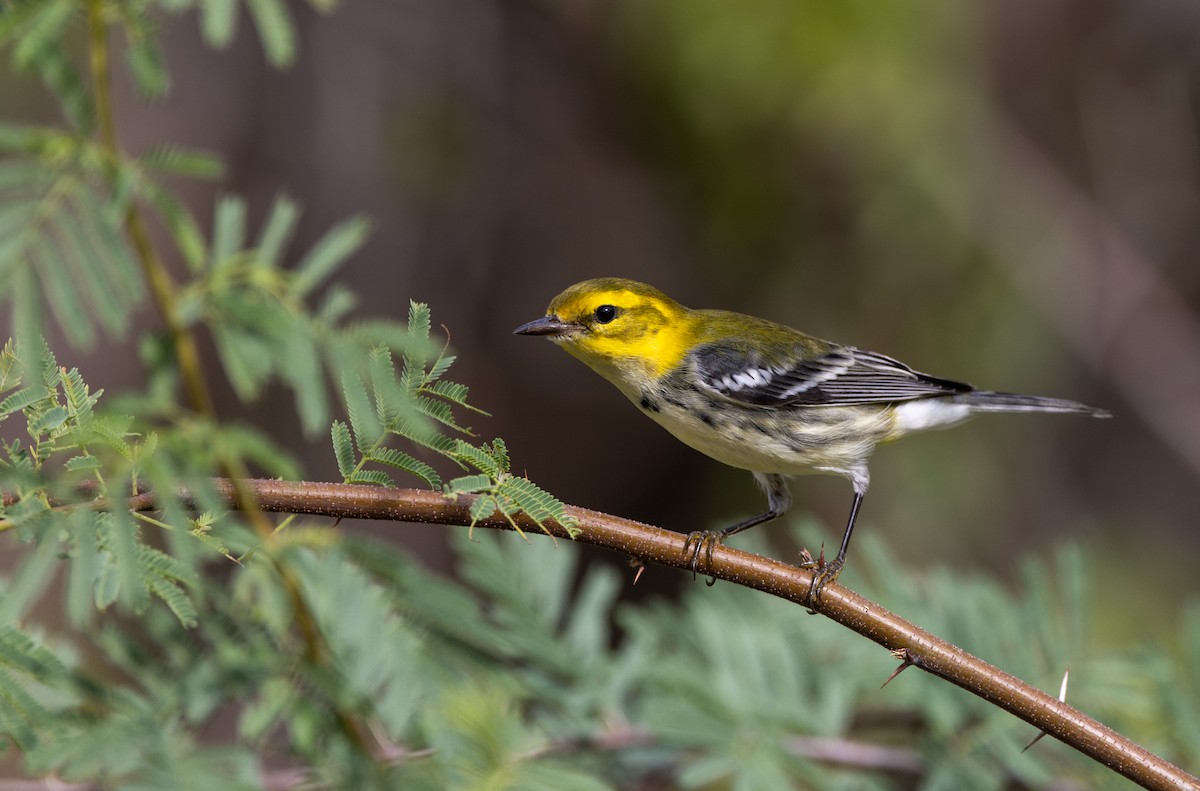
1062	698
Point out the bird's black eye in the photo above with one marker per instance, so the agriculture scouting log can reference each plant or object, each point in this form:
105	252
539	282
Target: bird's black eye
606	313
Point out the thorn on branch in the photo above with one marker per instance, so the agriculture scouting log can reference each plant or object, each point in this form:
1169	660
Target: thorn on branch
1062	697
907	660
640	565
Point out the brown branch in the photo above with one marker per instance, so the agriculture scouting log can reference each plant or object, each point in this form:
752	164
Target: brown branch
651	544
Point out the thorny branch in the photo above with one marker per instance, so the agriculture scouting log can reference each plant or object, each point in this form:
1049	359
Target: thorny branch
649	544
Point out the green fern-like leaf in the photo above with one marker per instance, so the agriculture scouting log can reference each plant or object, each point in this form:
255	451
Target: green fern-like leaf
451	391
32	575
412	374
418	320
469	484
119	575
58	285
113	432
439	368
64	81
272	703
372	477
276	30
176	599
484	506
145	58
79	399
159	564
388	396
424	434
229	229
523	495
248	360
218	22
338	244
498	450
363	422
112	277
278	230
70	243
47	364
83	568
10	368
161	574
179	161
479	458
48	421
302	371
343	449
82	463
181	223
43	27
19	652
21	712
403	461
24	397
439	411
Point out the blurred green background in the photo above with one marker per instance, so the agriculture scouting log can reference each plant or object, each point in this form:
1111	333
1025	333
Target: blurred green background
1006	193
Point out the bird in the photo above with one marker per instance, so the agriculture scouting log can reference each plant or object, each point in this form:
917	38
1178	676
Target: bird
761	396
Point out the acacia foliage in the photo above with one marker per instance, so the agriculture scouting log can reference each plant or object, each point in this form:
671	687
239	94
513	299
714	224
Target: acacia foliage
193	649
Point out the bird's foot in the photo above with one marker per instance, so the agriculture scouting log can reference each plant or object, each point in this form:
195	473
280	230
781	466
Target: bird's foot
704	541
824	573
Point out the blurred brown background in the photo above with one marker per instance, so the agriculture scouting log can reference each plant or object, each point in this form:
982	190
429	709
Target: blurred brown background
1006	193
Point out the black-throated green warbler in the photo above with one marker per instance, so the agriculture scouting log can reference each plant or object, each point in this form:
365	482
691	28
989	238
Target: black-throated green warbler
758	395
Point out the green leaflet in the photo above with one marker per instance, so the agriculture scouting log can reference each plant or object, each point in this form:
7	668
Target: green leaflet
343	448
338	244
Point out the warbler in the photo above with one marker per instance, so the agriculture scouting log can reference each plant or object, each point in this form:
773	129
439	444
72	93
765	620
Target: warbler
761	396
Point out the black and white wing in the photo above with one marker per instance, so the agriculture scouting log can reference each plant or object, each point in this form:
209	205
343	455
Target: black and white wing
840	375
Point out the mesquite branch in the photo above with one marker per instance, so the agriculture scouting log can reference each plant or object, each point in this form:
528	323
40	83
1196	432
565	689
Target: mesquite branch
650	544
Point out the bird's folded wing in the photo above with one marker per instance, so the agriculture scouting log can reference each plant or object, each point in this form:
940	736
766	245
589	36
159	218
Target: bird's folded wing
841	376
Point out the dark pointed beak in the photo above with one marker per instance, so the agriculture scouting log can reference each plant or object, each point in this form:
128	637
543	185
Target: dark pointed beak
546	325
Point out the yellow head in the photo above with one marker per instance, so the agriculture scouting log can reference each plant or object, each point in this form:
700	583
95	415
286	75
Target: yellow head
620	328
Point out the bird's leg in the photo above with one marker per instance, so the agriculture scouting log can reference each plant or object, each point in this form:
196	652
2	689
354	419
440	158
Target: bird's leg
825	572
779	499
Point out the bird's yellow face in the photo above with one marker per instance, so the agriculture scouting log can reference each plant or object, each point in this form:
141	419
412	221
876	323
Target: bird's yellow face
620	328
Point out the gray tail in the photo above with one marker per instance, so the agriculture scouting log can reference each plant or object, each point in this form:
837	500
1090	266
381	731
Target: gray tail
986	401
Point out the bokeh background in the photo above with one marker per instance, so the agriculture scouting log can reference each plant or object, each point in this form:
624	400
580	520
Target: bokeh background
1006	193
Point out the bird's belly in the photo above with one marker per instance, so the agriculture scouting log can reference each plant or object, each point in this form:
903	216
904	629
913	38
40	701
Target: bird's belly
784	441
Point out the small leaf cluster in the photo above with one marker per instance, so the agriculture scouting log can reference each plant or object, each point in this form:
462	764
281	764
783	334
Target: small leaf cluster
68	444
498	490
61	238
416	406
257	309
35	29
